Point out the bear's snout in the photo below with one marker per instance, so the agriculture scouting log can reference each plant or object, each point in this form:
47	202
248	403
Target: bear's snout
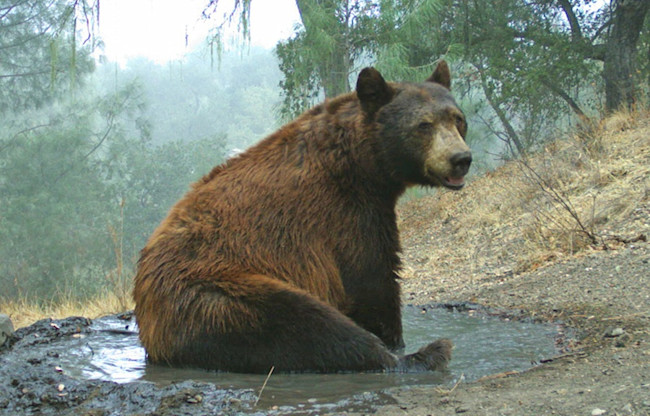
460	163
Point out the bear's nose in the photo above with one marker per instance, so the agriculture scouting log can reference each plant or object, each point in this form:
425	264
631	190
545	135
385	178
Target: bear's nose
460	163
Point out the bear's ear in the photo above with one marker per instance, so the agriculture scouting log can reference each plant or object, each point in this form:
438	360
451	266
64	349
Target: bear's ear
373	91
441	75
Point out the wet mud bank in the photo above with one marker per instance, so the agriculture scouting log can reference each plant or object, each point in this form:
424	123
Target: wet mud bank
76	366
35	383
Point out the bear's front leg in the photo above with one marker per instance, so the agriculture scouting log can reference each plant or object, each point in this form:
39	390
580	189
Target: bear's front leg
378	310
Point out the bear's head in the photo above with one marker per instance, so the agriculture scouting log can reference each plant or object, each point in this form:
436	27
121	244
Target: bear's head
419	128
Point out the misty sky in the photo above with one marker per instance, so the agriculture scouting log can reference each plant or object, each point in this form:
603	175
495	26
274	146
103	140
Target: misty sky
156	28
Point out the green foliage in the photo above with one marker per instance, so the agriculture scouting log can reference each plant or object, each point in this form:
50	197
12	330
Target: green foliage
320	58
55	204
409	43
87	169
41	57
301	85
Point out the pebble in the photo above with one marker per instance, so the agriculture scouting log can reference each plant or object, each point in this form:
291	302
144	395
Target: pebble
598	412
617	332
614	332
6	328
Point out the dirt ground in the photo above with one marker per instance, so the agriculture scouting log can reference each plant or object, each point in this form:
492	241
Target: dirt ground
600	293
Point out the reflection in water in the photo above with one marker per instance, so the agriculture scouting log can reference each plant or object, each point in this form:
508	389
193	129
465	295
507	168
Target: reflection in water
483	346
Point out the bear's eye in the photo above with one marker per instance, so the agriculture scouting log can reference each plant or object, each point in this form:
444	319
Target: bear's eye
460	122
425	127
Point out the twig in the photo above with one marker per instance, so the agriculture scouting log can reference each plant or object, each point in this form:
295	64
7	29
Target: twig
25	131
579	354
445	391
264	385
499	375
558	196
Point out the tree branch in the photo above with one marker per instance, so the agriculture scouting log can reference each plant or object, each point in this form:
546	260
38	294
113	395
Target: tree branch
15	136
576	32
510	131
591	51
25	74
584	119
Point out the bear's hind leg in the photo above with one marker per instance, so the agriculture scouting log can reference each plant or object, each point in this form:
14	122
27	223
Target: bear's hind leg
285	328
254	323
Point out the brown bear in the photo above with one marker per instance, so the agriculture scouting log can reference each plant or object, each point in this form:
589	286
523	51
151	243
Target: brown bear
286	255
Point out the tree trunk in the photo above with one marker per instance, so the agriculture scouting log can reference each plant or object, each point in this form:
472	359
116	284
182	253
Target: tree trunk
511	133
334	73
620	55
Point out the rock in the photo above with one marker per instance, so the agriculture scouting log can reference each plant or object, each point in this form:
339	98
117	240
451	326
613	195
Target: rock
598	412
6	328
617	332
614	332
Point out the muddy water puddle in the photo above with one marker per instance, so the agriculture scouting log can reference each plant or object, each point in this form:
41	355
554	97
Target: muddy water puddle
484	345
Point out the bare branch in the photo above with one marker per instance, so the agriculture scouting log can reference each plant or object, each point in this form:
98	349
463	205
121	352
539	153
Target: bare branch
576	32
558	196
25	131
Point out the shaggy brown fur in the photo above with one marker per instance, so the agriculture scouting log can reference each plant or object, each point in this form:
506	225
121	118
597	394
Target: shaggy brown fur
287	254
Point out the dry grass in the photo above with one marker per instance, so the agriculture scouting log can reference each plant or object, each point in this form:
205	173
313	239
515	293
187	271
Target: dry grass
579	193
116	299
25	312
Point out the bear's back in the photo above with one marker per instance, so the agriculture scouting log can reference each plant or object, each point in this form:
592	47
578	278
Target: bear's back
284	208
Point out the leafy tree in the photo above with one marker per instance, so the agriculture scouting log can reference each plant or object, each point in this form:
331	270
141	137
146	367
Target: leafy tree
528	60
623	27
40	51
55	204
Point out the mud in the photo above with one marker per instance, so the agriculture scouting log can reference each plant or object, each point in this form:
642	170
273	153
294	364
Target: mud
36	384
53	368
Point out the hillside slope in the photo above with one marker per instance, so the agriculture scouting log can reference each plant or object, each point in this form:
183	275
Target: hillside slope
523	215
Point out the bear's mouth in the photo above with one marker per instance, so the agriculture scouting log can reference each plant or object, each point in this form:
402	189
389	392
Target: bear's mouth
455	183
451	182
